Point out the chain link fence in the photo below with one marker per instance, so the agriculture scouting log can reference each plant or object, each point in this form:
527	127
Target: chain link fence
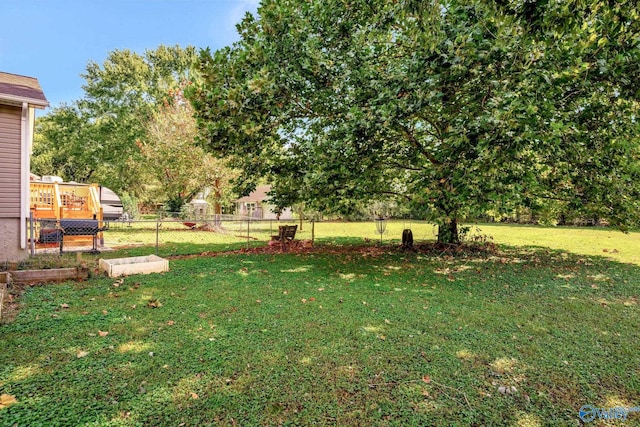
180	237
170	236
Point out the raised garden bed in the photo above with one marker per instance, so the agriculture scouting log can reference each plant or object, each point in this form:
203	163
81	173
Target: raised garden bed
134	265
43	276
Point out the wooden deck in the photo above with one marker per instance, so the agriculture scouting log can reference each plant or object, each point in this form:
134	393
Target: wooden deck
55	201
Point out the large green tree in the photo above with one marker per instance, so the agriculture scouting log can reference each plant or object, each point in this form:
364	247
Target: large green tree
121	95
96	139
61	145
458	107
180	168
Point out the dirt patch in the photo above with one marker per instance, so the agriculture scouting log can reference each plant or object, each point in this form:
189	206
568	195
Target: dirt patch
304	247
9	302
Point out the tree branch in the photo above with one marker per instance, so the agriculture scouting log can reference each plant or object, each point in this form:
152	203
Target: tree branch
401	166
414	141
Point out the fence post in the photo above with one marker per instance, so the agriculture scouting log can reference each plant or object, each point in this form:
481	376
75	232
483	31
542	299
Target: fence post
248	222
157	236
32	239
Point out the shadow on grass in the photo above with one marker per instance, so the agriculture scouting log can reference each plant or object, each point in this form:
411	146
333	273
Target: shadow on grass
329	339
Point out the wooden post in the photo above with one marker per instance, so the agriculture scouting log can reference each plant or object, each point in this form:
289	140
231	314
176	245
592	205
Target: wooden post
32	232
3	289
101	224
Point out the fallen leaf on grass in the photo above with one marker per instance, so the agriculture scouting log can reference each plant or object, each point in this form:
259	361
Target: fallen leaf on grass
82	354
426	379
65	305
507	390
171	323
194	396
103	333
154	303
7	400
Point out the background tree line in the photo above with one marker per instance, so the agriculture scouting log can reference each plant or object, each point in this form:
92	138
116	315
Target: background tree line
134	132
451	109
457	108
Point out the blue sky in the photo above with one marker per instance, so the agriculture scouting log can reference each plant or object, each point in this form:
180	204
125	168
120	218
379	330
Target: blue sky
54	40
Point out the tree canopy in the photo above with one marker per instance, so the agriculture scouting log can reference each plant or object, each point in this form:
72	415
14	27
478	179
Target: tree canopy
129	121
459	107
181	168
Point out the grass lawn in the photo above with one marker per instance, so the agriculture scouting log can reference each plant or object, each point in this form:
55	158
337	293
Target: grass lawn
344	337
591	241
175	238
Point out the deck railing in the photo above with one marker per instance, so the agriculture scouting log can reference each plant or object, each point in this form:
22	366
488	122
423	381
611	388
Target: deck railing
64	200
56	201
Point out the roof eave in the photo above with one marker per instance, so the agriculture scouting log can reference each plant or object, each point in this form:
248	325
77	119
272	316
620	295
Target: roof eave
18	100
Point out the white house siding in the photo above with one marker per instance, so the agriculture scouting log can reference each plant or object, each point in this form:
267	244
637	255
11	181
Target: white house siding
267	212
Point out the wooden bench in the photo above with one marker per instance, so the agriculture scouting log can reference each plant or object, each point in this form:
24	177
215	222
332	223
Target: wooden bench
286	234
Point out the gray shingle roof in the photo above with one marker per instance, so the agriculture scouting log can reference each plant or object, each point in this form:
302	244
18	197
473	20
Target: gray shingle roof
15	88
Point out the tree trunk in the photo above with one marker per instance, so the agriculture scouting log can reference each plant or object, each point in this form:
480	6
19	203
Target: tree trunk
448	232
301	214
217	207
